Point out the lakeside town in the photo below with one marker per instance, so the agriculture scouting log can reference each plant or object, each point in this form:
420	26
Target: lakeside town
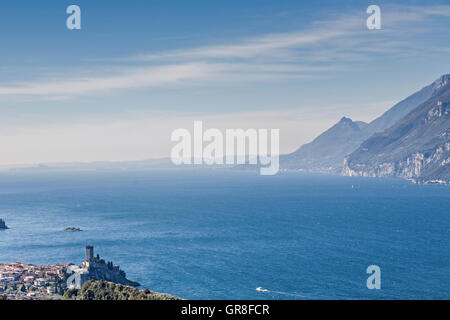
94	279
20	281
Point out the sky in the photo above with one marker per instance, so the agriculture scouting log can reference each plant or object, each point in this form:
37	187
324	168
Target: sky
138	70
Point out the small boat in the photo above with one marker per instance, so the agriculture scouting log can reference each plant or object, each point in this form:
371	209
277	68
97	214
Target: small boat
260	289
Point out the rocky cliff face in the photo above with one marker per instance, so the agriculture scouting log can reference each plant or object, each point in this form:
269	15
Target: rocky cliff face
413	168
416	148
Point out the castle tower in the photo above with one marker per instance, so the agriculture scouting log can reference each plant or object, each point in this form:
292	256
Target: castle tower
89	253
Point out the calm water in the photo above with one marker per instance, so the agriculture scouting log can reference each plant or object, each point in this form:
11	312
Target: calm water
219	235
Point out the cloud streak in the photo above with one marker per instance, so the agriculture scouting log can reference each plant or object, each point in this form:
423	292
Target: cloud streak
135	78
328	45
268	45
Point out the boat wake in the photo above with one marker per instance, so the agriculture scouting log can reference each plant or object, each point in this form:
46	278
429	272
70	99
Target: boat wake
261	289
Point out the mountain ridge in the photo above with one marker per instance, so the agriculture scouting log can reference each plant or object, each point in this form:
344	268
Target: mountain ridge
318	155
341	141
416	148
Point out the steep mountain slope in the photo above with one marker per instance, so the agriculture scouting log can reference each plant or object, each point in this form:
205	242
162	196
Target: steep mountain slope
401	109
416	148
327	150
326	153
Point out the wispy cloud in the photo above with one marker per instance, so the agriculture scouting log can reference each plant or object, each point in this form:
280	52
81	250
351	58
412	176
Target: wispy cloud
267	45
327	45
145	77
132	78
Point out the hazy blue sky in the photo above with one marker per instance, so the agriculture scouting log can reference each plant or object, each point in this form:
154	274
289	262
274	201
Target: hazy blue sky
137	70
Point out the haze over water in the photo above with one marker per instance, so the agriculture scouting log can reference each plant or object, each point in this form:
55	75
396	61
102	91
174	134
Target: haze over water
216	234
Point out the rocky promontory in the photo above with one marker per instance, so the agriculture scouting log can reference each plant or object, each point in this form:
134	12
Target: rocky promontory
96	268
3	225
94	279
104	290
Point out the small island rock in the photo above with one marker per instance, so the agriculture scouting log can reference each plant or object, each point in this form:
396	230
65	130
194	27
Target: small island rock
3	225
72	229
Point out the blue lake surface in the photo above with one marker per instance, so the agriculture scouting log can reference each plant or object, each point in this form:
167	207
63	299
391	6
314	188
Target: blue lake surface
216	234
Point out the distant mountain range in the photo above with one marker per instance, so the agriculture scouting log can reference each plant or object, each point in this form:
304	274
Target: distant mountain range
132	165
326	153
96	165
411	140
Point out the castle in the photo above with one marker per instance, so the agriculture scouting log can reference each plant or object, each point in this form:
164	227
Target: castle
95	261
95	268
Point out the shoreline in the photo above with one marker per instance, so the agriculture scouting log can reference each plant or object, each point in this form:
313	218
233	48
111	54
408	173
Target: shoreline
20	281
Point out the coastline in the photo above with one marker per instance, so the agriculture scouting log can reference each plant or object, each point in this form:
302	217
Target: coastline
20	281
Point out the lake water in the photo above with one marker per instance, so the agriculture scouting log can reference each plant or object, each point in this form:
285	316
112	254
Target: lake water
216	234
